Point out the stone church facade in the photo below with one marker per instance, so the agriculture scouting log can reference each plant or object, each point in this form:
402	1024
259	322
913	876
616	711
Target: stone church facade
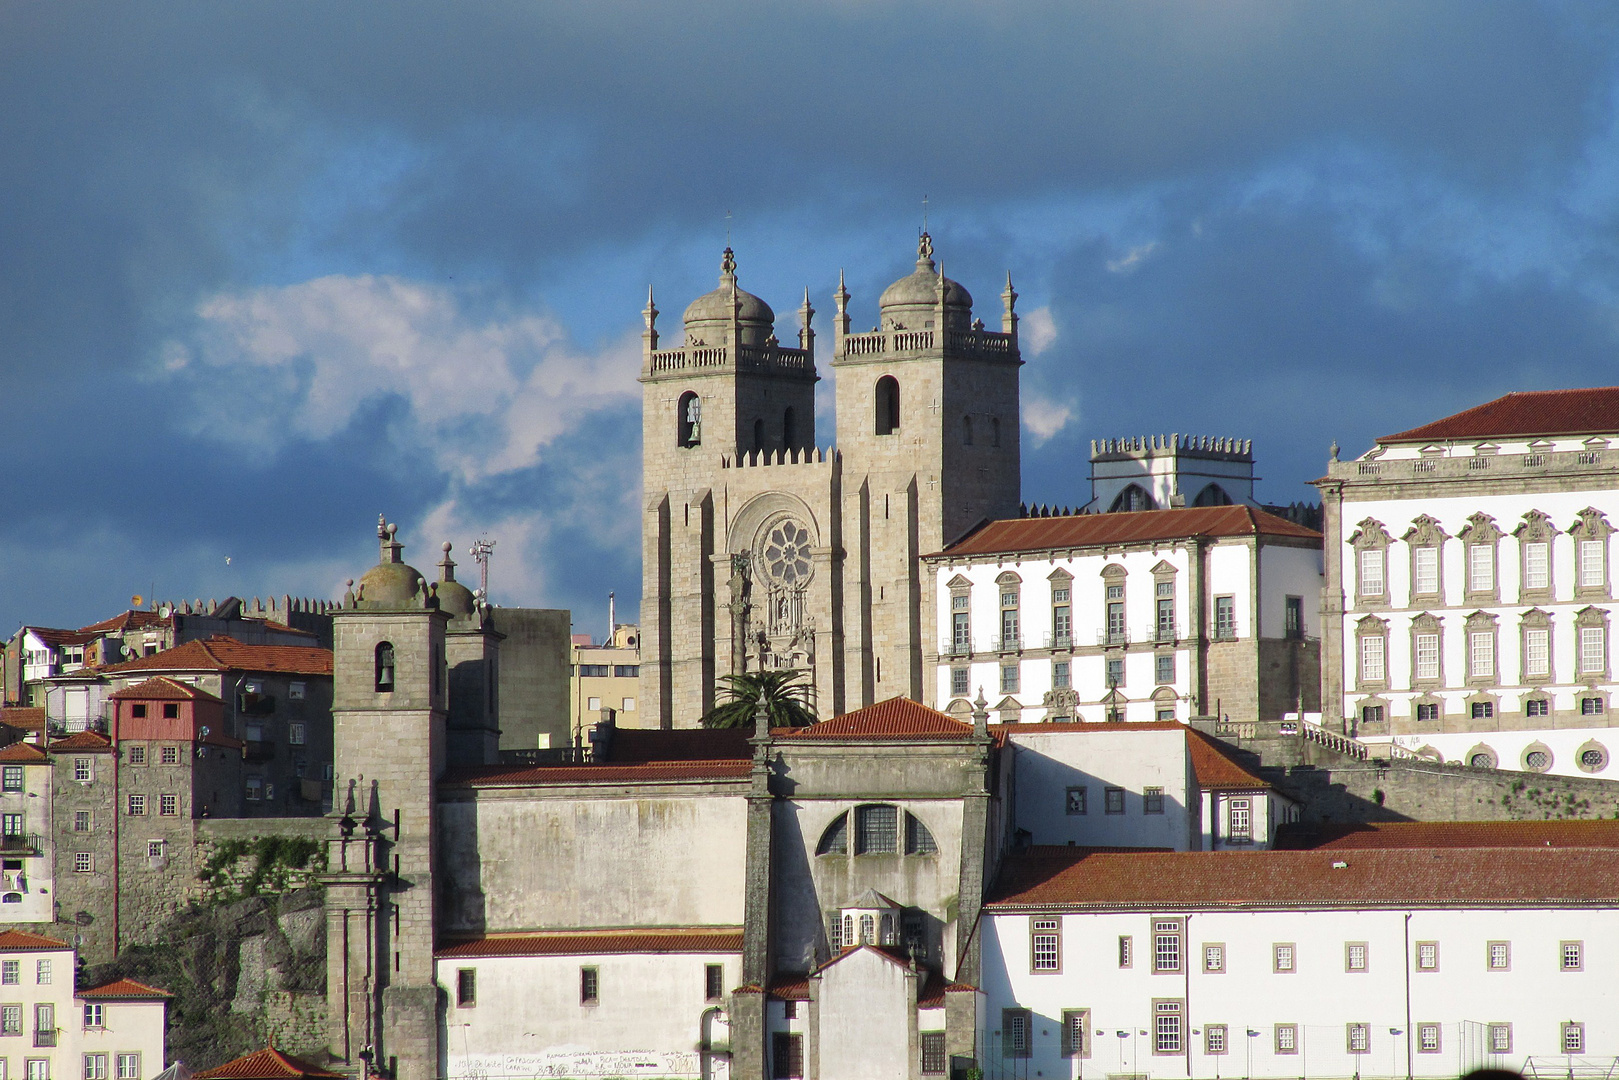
763	550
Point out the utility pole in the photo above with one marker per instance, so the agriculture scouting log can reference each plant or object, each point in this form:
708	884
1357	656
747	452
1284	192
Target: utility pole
481	551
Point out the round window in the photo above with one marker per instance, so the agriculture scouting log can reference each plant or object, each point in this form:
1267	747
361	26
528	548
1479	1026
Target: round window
1481	761
1593	758
1537	760
787	554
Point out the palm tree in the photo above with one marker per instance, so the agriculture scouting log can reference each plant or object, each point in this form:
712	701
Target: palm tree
785	695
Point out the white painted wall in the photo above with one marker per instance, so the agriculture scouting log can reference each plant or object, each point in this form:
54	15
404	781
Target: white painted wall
31	888
1050	761
863	1019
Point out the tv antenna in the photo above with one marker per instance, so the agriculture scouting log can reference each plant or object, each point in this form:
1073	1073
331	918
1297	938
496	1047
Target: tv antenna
480	552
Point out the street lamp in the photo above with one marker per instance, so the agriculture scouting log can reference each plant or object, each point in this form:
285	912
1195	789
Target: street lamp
1122	1034
1394	1049
1249	1071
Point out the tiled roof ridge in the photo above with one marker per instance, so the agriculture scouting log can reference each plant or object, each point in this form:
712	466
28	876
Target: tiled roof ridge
1225	771
123	988
1586	410
1123	527
146	689
21	940
267	1064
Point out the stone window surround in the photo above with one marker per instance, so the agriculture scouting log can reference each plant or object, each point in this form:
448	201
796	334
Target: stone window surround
1482	697
1535	695
1536	747
1584	748
1370	535
1480	622
1425	532
1537	528
1536	619
1476	750
1481	532
1592	692
1376	701
1590	618
1427	623
960	585
1428	699
1162	572
1061	579
1369	627
1004	583
1592	524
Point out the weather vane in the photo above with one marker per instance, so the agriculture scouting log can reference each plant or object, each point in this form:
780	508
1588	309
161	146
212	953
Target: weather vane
480	551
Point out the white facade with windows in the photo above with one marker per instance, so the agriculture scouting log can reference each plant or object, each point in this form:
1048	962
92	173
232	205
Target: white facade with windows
1093	971
1471	588
26	863
1159	615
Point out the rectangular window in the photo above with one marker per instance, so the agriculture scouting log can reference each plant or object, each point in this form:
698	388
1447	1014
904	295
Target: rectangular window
1537	707
1009	678
961	632
1287	1038
1115	671
1164	668
1537	572
84	863
42	972
81	821
1115	592
1295	618
713	982
10	972
466	987
1427	656
45	1024
1166	620
1358	1038
1225	617
787	1055
1166	945
589	986
137	805
1213	958
1074	801
255	788
137	711
1371	658
38	1068
1593	574
1062	625
1045	945
1500	1038
154	849
169	755
1371	714
1015	1037
95	1067
1428	1038
81	770
1498	956
1591	706
168	805
1239	821
295	734
11	825
1593	650
933	1056
1573	955
1355	956
1166	1027
1427	711
1537	653
1481	568
1152	800
1427	956
1573	1038
1060	679
11	778
1371	572
1126	950
1481	654
876	830
129	1067
958	682
171	710
10	1019
1009	628
137	753
1113	798
1482	710
1425	570
1282	958
1115	621
1076	1033
1215	1040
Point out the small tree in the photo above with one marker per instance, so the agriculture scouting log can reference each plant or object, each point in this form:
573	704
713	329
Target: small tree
785	693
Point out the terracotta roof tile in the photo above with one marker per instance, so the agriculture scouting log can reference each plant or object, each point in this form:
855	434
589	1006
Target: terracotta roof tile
790	988
1065	878
896	718
162	688
228	654
125	990
26	719
1599	833
702	939
639	772
1143	526
22	941
82	740
1215	768
268	1064
129	620
1593	411
23	754
931	995
51	635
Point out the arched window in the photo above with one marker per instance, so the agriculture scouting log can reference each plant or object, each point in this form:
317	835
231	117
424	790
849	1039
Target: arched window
1132	498
994	431
789	427
848	931
758	434
1212	495
867	926
835	840
918	841
887	403
689	420
11	898
385	667
966	431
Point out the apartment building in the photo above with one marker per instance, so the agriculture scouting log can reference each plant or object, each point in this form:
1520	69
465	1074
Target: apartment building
607	676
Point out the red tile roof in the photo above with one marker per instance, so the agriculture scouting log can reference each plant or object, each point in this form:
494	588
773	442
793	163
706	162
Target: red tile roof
896	718
700	939
129	620
228	654
1139	527
162	688
268	1064
1215	768
23	754
82	740
635	773
1598	833
1058	877
26	719
125	990
50	635
22	941
790	988
1593	411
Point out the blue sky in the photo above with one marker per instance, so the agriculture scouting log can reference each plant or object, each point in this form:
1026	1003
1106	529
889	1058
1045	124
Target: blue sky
269	269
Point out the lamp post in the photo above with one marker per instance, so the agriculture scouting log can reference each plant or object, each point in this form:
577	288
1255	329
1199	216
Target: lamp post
1248	1072
1394	1050
1121	1033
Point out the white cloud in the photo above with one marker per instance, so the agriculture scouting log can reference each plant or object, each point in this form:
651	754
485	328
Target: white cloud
1132	258
1044	417
1037	331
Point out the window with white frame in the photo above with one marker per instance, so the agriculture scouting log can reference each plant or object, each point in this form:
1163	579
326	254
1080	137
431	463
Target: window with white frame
42	972
961	633
95	1015
1593	650
1358	1038
1045	944
1425	570
1427	647
1481	568
1498	956
1427	956
1239	820
1427	1038
1213	958
1593	564
1010	635
1573	1038
1164	668
1167	1027
1076	1033
1537	565
1371	572
81	770
1572	955
95	1067
1355	954
1537	652
129	1067
1166	944
1062	615
1060	678
1372	666
1287	1038
1500	1038
1481	654
1215	1039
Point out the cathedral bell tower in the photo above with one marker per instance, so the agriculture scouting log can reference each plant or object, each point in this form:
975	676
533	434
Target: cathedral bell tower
389	703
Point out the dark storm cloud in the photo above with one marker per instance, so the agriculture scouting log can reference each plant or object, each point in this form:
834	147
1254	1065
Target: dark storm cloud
1230	215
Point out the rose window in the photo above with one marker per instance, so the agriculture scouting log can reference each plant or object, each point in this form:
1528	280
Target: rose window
787	554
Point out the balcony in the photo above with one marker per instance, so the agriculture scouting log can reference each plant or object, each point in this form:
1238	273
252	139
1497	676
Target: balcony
956	648
1063	640
21	844
1113	637
45	1037
1163	635
1012	643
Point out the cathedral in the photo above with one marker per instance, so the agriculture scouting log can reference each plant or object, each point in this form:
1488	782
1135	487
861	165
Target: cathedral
762	549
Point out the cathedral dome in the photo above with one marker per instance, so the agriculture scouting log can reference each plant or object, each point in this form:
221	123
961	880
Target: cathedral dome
920	289
714	308
390	583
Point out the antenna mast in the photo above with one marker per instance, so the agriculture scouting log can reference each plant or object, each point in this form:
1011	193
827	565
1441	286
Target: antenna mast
481	551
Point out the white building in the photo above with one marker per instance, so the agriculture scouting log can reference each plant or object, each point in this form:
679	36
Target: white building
1469	599
1157	472
1156	615
26	863
1389	962
47	1030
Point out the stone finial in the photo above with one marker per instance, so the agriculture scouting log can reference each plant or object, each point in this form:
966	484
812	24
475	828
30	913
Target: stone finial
728	266
981	715
1009	318
649	336
924	250
761	717
446	565
1332	451
348	593
386	533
